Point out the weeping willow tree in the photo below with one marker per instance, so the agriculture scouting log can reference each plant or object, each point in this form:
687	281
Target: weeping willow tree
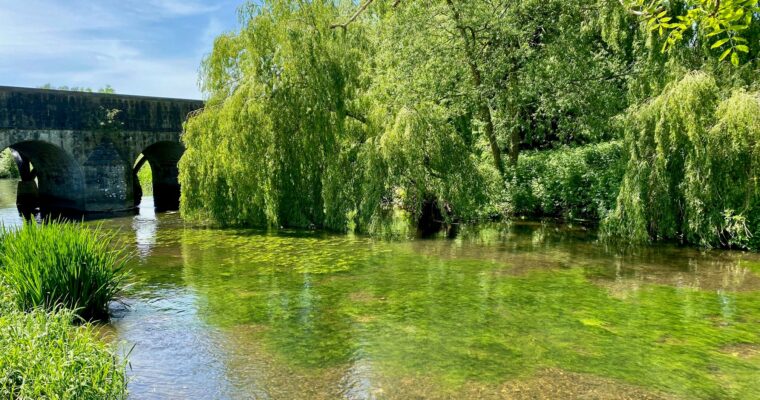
290	135
693	169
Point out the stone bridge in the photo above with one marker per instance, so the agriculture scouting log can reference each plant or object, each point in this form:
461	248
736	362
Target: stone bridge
85	148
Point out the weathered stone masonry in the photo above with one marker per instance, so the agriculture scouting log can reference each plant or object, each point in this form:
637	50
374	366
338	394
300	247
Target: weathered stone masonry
83	146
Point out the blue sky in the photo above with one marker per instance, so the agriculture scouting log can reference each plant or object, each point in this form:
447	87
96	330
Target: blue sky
145	47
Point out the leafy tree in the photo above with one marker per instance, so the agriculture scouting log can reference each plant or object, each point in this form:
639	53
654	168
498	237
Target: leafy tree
692	176
353	111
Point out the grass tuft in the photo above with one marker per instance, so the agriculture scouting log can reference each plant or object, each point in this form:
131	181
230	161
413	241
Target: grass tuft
61	264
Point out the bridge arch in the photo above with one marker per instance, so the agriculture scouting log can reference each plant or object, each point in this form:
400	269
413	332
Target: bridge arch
60	180
163	158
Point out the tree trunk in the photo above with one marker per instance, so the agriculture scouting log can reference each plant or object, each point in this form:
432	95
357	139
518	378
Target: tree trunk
515	137
483	108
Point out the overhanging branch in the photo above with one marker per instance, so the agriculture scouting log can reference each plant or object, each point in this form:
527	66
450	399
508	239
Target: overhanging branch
356	15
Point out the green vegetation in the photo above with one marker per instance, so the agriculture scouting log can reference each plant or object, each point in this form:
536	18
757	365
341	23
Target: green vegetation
525	297
725	24
51	276
106	89
693	175
44	356
377	130
8	167
458	111
576	183
60	264
145	176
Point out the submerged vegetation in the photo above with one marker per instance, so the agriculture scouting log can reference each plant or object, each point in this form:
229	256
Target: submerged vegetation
346	116
526	297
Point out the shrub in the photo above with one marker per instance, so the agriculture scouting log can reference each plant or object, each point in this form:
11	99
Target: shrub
145	176
44	357
577	182
61	264
8	168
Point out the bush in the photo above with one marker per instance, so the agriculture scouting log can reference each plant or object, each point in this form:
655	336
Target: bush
44	357
8	168
576	183
61	264
145	177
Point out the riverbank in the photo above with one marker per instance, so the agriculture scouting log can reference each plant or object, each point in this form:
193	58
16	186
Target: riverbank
46	355
55	278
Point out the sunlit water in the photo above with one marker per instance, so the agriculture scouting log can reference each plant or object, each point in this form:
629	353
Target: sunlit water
515	311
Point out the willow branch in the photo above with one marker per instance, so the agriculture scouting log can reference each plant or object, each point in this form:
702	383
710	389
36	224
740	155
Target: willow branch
356	15
358	12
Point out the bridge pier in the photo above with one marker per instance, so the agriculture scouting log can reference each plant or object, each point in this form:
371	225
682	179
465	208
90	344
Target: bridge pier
27	195
108	180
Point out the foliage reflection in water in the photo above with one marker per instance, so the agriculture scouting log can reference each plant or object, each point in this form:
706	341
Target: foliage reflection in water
505	311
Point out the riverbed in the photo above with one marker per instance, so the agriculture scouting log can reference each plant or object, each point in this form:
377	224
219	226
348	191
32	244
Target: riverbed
521	310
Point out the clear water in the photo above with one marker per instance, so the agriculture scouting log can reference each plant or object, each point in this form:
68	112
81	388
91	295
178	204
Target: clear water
516	311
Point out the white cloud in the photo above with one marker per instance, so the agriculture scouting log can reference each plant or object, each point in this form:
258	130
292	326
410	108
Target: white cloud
87	43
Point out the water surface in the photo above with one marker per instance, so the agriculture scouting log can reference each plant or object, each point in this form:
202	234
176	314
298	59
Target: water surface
517	311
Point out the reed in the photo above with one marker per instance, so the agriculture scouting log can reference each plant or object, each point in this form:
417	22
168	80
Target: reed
62	264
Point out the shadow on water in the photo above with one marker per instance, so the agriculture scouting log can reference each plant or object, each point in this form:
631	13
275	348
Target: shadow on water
13	214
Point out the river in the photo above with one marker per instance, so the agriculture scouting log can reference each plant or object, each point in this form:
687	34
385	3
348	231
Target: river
520	311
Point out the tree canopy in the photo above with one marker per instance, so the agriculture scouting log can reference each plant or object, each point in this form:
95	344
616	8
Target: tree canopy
340	115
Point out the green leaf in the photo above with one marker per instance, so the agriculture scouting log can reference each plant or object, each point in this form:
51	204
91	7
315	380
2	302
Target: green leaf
735	59
743	48
725	54
719	43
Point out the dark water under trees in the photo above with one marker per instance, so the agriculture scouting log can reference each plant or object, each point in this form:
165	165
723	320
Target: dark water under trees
522	310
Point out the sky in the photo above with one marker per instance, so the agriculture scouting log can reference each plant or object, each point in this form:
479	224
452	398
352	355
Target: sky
141	47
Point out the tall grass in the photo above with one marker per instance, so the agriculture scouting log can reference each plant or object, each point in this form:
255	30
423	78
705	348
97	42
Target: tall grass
42	356
61	264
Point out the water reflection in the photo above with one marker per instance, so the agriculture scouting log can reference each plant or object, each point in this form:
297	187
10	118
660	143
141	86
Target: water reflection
9	213
145	226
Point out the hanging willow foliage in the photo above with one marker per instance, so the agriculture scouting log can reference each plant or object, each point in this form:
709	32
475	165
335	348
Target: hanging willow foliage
275	120
693	168
289	137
